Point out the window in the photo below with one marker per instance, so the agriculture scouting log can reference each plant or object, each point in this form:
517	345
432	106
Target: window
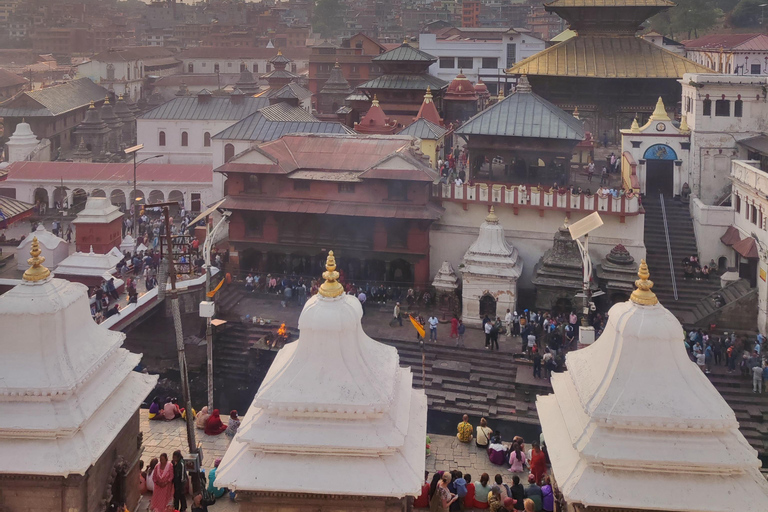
229	64
687	103
254	225
242	67
754	215
738	108
465	62
110	71
738	204
346	188
301	184
397	235
511	54
755	69
707	107
723	108
204	64
253	184
397	191
229	152
255	68
184	139
161	139
447	62
490	63
190	68
207	139
269	67
216	68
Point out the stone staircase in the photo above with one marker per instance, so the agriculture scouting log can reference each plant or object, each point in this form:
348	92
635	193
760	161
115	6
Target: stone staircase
683	244
736	292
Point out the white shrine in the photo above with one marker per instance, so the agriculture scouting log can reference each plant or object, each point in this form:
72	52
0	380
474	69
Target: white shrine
335	424
490	272
53	248
635	425
69	400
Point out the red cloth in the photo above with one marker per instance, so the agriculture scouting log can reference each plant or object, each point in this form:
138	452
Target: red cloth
469	499
454	327
538	464
423	500
163	493
214	426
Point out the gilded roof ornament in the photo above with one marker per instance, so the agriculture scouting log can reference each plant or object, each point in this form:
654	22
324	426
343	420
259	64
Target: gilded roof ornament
576	113
492	218
643	294
684	128
375	102
428	95
37	272
660	113
331	287
635	126
106	99
92	106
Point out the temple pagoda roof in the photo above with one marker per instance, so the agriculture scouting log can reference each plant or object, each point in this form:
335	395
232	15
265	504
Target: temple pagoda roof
607	57
524	114
424	129
406	82
405	53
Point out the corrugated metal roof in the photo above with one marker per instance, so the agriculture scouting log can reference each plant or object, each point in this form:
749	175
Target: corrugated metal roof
57	99
524	114
276	122
291	90
607	57
211	108
12	210
728	42
406	82
109	172
423	129
405	53
610	3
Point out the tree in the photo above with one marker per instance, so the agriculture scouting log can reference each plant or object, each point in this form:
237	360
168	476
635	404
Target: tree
328	19
688	18
747	13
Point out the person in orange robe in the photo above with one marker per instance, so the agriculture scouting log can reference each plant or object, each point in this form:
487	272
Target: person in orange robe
214	426
538	462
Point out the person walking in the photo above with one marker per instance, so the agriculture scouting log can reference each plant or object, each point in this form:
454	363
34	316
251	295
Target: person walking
461	330
757	379
495	333
433	328
162	482
180	482
508	323
604	176
487	328
362	298
455	328
397	316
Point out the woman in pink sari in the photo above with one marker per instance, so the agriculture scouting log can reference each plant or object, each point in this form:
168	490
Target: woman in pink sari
163	480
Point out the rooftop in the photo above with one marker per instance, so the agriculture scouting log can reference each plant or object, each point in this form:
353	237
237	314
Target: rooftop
55	100
742	42
209	52
273	122
418	82
109	173
423	129
132	53
405	53
8	79
211	108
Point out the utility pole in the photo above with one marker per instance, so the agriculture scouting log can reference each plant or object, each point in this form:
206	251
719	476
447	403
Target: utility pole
176	313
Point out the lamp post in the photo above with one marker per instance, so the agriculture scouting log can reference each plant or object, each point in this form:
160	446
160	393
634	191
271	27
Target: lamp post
578	230
133	150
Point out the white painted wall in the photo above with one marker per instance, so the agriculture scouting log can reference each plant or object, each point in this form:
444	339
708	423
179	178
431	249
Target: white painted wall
531	234
232	66
148	133
709	224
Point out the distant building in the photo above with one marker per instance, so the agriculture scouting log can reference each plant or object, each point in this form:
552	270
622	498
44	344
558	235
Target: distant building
231	61
125	71
738	54
664	42
10	84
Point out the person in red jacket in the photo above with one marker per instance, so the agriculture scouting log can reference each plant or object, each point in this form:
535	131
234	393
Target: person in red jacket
469	499
423	500
537	462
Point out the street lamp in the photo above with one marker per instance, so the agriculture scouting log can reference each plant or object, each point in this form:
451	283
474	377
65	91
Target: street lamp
133	150
580	229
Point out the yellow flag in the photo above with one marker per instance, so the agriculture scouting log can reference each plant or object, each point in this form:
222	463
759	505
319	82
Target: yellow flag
418	326
213	292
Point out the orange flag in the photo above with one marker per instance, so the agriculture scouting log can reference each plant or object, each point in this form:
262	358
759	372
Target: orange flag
418	326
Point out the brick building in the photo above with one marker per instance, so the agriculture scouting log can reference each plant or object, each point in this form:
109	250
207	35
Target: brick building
354	56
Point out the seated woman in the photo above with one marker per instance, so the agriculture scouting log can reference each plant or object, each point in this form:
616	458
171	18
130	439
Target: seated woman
481	492
233	425
497	452
216	492
154	409
484	434
171	410
214	426
201	418
705	272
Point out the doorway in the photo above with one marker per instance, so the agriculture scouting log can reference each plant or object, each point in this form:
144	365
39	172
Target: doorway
488	306
660	177
748	270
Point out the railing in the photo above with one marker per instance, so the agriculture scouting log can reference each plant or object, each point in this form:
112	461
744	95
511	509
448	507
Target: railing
538	198
669	246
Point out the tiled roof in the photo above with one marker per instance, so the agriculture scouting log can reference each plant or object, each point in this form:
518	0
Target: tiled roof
57	99
607	57
273	122
403	53
109	173
407	82
729	42
524	114
423	129
610	3
212	108
8	79
209	52
128	54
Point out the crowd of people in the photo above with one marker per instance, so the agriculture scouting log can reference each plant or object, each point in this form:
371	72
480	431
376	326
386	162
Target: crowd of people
692	269
453	491
732	351
209	422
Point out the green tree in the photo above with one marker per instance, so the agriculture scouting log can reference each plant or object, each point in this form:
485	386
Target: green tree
687	19
747	13
328	19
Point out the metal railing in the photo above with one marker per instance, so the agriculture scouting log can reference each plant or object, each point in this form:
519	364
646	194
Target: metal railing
669	246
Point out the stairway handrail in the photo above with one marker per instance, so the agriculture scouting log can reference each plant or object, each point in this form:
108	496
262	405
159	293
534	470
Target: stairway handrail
669	247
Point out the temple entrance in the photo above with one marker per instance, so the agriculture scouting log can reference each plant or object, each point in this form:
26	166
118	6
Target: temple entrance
659	177
117	489
488	306
79	198
400	272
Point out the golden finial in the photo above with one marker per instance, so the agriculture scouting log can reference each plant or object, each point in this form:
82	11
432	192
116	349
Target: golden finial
37	272
684	128
92	105
120	97
106	99
337	64
660	113
501	93
643	294
279	51
405	40
428	95
635	126
492	218
375	102
576	113
331	287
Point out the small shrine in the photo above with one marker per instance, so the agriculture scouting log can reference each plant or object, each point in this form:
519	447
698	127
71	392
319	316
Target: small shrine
616	274
279	76
94	132
69	414
359	429
460	100
128	244
53	248
428	110
21	143
483	94
115	136
123	112
91	268
489	274
334	91
446	284
376	122
633	413
247	82
558	275
99	226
